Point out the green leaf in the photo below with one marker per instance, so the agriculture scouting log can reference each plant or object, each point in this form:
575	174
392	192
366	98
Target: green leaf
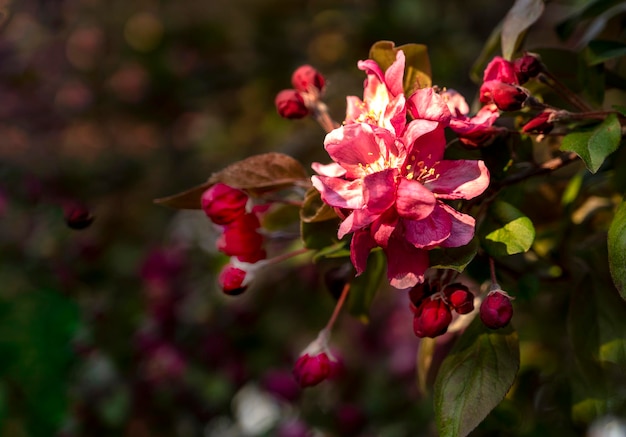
594	146
257	174
319	235
364	287
456	258
513	233
417	70
598	336
425	355
337	250
474	378
314	209
519	18
617	249
599	51
35	333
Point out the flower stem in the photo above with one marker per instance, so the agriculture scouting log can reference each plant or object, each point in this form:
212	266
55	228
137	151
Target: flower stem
494	281
340	302
321	115
285	256
550	80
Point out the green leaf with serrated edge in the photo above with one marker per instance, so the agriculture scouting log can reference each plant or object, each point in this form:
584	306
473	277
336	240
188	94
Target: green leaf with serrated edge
599	51
456	258
257	174
474	377
314	209
364	287
594	146
617	249
513	233
417	70
519	18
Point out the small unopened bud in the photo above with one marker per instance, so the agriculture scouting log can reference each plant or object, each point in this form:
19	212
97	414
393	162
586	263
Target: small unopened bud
496	309
460	298
77	216
310	370
290	104
541	124
223	204
233	280
432	318
527	67
307	79
241	239
508	97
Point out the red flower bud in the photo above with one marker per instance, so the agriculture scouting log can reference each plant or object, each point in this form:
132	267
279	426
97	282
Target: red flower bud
527	67
506	97
541	124
306	79
223	204
496	310
460	298
241	239
311	370
499	69
432	318
233	280
78	216
290	104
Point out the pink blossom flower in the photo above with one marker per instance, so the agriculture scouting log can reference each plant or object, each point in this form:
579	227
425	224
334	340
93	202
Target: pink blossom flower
392	194
383	101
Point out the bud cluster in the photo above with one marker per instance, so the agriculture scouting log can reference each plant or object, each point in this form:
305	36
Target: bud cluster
308	85
432	308
227	207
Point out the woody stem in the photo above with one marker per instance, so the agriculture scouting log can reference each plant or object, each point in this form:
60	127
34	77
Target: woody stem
340	302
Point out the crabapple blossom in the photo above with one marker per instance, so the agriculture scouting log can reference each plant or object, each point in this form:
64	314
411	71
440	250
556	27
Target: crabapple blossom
392	191
316	363
307	79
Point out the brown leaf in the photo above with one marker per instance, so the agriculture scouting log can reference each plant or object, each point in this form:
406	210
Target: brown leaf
257	175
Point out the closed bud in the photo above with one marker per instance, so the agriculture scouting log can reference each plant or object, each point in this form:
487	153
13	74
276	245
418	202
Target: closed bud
233	280
432	318
241	239
310	370
77	216
496	310
527	67
290	104
508	97
460	298
223	204
307	79
541	124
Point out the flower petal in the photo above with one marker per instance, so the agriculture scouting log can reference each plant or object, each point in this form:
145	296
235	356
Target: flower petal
459	179
353	147
360	247
355	221
426	104
333	169
340	193
413	200
430	231
383	227
462	231
425	141
406	264
394	75
379	190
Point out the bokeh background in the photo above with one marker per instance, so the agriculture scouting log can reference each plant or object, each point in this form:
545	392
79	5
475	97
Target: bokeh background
120	329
